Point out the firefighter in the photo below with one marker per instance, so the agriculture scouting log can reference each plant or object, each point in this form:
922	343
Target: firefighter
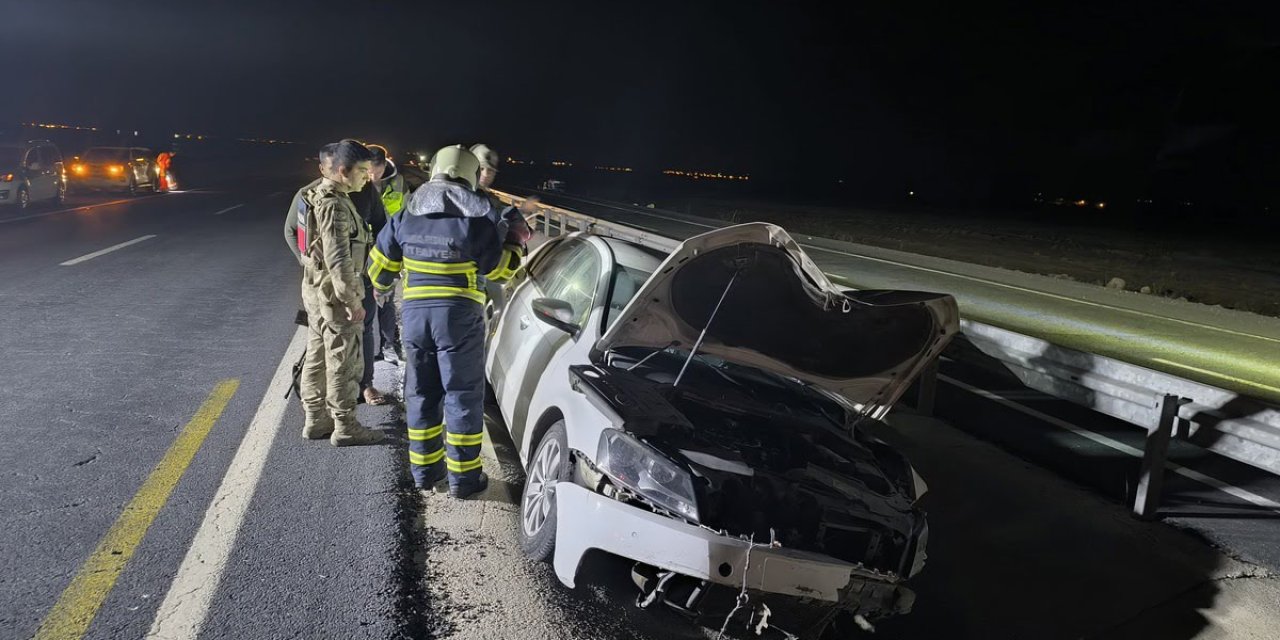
447	237
515	245
337	245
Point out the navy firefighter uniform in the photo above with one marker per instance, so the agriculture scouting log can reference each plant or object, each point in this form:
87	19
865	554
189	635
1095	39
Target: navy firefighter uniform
445	242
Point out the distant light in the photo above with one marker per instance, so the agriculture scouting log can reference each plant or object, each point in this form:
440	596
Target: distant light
911	193
135	134
1101	205
1082	203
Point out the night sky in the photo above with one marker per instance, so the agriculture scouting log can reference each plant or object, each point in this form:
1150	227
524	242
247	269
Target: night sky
900	93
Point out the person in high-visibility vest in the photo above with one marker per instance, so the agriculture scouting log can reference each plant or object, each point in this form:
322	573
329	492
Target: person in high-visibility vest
389	184
162	170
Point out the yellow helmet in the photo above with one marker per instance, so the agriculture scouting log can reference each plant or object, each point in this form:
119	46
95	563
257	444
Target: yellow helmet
488	157
456	162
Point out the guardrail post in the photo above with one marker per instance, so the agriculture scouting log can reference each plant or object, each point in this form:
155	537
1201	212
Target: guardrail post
1146	500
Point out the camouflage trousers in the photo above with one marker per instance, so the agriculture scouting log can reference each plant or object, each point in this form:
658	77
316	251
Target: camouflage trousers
331	371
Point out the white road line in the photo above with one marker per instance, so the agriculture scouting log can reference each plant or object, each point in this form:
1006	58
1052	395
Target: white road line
994	283
186	606
90	256
1247	496
231	208
84	208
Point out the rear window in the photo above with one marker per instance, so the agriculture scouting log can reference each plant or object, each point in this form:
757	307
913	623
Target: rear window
106	154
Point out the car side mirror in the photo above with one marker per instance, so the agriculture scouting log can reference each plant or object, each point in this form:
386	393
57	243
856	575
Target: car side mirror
556	313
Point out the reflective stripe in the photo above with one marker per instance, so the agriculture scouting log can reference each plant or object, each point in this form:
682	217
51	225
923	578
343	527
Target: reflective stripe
383	261
380	265
463	440
426	434
419	293
426	458
440	268
462	467
508	265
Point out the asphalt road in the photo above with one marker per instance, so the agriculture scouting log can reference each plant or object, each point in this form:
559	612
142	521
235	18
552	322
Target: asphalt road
107	362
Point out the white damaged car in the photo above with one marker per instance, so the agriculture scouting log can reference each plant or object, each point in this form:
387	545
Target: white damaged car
705	414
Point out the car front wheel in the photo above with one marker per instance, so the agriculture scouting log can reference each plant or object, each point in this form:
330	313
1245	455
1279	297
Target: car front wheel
550	465
61	197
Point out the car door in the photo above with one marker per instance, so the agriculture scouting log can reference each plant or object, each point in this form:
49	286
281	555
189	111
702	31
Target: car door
139	160
38	187
526	345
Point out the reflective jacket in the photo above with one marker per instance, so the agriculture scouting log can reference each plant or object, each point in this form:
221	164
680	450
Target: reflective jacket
513	246
393	190
445	242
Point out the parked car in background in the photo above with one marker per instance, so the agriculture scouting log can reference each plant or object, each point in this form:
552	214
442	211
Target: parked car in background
711	415
552	185
31	172
131	169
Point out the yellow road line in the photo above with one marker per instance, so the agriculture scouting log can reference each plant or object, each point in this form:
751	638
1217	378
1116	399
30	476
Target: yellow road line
74	611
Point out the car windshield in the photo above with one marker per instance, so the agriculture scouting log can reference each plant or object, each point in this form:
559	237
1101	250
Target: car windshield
626	282
10	157
106	154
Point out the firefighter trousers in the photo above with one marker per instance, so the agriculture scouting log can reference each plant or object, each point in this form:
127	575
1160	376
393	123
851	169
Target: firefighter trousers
444	390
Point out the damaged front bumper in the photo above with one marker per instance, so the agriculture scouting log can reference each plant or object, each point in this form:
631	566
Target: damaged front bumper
587	520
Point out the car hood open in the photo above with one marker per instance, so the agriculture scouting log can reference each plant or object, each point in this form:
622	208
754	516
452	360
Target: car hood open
783	315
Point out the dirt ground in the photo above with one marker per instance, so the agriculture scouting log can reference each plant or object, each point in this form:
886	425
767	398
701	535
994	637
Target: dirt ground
1240	272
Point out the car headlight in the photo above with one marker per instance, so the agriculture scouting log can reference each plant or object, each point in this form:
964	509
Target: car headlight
639	468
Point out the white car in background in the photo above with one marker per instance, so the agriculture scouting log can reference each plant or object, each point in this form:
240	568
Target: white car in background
705	414
31	173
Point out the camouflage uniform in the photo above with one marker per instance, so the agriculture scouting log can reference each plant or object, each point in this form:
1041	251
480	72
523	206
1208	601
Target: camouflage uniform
337	248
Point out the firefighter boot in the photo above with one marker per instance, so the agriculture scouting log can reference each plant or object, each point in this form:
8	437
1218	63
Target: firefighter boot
354	435
318	425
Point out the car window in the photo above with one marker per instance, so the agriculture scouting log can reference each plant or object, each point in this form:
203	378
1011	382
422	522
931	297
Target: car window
49	156
553	260
572	278
32	157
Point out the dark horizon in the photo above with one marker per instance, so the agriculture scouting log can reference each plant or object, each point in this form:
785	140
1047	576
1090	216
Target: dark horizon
968	106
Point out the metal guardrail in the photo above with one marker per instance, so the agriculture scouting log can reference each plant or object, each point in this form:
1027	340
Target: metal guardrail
1166	406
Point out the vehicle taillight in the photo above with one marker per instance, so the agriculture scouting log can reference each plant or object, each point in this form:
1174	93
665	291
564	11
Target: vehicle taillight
8	177
78	169
115	168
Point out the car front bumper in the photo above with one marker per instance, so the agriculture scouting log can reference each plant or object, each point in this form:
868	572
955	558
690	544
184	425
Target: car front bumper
586	520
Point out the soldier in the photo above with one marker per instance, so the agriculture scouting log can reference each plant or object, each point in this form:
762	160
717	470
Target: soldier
337	244
444	240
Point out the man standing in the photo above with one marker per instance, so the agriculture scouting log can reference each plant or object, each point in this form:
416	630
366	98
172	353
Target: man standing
369	205
388	182
294	235
337	243
447	237
515	244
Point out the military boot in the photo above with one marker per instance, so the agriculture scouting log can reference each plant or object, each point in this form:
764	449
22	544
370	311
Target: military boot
317	426
354	435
